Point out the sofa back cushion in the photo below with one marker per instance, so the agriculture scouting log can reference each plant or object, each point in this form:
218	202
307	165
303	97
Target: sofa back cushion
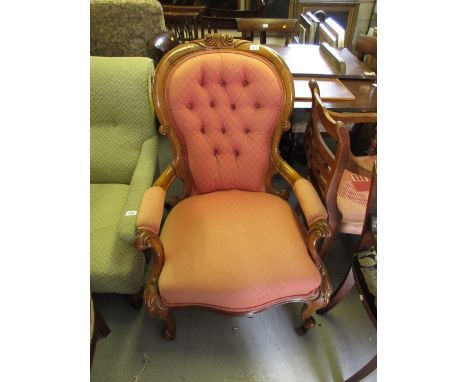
121	116
224	106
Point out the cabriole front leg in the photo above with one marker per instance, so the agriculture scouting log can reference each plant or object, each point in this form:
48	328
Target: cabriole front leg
318	230
152	298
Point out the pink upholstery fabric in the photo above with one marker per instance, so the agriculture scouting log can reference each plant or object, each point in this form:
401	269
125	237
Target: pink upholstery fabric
151	209
352	197
224	106
235	250
311	205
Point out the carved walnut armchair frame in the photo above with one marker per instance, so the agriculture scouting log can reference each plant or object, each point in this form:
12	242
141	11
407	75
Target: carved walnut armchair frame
318	228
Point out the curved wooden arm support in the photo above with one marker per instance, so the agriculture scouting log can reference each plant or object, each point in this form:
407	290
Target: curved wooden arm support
319	229
152	297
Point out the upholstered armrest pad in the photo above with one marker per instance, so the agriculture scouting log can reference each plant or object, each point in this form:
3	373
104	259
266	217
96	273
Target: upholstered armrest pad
151	209
142	179
309	200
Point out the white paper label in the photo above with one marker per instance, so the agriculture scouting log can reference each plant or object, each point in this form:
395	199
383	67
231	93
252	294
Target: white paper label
254	47
265	25
130	213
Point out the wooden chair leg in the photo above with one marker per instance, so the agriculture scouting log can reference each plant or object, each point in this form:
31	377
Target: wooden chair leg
155	309
308	321
365	371
340	293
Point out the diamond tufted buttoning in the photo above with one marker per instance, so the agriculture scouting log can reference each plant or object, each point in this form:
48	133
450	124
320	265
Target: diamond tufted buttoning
212	104
257	105
233	106
202	130
245	83
236	153
222	83
223	130
190	106
215	151
246	130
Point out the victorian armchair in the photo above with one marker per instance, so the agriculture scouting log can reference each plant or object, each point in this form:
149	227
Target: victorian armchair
342	179
123	163
129	28
233	244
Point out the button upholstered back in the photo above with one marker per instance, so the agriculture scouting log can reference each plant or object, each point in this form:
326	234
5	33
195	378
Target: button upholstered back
224	106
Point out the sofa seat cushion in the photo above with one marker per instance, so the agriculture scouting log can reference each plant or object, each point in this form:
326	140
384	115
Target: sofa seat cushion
116	266
236	251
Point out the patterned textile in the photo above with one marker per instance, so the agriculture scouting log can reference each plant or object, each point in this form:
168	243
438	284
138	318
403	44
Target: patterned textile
224	106
366	266
352	196
116	266
121	116
235	250
142	179
123	164
124	28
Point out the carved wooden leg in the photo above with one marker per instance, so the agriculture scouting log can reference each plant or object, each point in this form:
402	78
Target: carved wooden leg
365	371
157	310
340	293
308	321
136	300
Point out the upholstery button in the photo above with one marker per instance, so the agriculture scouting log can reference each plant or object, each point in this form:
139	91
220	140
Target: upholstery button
236	153
189	105
257	105
246	130
222	83
212	104
244	83
223	130
202	130
233	106
215	152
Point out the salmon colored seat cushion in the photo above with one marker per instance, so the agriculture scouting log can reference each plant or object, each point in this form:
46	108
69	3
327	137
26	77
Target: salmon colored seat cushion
234	250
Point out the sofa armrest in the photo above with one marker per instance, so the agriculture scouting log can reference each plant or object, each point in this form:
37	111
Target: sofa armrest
311	205
151	210
141	181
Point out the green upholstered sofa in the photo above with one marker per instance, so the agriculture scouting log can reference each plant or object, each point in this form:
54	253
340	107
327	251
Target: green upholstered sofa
129	28
123	160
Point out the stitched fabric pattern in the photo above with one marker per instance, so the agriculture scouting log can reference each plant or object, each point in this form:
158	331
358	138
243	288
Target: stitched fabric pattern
225	106
121	116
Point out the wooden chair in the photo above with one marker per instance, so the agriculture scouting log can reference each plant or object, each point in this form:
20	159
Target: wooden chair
362	273
98	328
184	20
232	244
285	27
219	18
366	50
342	178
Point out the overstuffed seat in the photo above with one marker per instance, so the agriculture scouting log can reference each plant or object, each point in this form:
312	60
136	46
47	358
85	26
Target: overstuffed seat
232	244
123	163
250	268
